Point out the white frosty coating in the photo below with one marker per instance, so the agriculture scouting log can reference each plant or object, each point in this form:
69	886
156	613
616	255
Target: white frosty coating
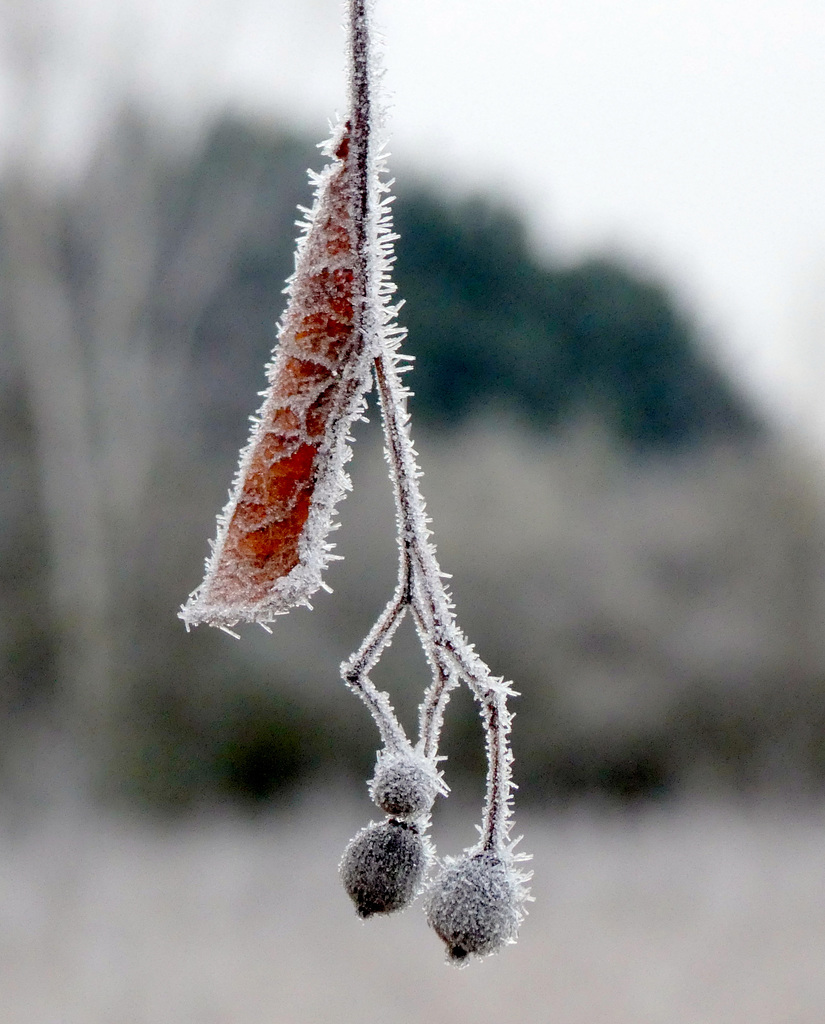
405	784
475	904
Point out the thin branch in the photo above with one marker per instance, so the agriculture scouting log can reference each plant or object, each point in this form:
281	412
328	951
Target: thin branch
495	826
437	695
355	671
450	656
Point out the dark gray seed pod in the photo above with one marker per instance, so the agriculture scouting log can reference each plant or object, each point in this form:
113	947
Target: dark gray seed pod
383	866
404	785
474	905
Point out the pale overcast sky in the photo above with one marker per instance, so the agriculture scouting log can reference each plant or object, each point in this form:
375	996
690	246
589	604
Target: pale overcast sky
687	134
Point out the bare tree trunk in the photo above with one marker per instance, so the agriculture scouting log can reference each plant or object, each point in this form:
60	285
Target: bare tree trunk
58	387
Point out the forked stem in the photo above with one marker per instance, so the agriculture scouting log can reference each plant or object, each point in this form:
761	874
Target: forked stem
420	581
450	656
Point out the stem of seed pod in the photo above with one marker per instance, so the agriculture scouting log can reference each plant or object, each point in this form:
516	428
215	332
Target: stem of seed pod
355	672
450	657
361	116
420	585
496	811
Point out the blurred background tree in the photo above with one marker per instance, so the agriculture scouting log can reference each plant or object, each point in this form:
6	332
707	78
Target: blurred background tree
638	551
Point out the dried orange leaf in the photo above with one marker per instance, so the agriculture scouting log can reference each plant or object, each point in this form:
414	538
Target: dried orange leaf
271	546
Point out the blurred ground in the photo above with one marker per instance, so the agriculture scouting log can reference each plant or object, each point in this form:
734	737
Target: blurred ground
688	914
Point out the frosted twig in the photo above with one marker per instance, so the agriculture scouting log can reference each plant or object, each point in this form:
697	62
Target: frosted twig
355	671
421	587
420	580
337	332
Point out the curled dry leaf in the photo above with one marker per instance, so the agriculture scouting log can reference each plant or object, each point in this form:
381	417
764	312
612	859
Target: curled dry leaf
271	546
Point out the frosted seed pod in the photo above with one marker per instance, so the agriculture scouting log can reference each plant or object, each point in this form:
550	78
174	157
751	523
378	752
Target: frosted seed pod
404	785
474	905
383	866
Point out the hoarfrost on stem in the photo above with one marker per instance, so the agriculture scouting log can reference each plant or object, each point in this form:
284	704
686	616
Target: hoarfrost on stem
338	333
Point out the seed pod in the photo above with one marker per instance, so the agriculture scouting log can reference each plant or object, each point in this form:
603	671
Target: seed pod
405	785
383	866
474	905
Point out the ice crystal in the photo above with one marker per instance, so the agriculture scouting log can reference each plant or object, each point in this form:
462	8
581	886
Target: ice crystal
405	784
